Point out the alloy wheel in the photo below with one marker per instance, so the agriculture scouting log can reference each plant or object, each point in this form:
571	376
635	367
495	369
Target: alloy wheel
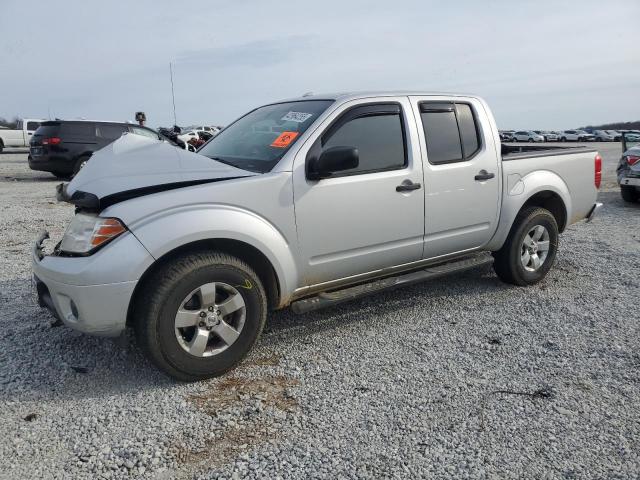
210	319
535	248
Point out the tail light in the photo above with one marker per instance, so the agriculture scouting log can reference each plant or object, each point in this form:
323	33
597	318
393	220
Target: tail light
597	179
51	141
632	160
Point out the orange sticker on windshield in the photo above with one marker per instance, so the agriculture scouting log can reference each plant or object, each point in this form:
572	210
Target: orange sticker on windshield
284	139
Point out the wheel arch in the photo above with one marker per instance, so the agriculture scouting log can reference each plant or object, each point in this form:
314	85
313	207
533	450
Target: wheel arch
549	200
542	189
242	250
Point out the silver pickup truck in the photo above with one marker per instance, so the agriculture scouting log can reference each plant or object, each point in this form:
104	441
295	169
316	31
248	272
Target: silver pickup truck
305	203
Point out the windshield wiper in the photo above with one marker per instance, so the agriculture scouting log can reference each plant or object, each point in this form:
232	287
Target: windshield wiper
226	162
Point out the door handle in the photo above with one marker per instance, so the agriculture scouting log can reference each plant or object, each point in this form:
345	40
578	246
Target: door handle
407	186
484	175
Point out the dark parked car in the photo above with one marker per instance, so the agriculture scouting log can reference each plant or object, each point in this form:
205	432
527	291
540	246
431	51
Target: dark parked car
629	167
63	147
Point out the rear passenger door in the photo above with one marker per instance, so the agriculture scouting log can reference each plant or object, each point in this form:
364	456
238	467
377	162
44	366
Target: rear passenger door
462	175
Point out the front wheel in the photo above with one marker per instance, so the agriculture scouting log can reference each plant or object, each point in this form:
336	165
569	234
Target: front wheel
629	194
530	249
199	315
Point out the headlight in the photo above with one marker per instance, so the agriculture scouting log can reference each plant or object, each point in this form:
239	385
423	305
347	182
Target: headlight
87	232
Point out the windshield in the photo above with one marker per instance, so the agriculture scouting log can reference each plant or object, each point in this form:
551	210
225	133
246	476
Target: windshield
257	141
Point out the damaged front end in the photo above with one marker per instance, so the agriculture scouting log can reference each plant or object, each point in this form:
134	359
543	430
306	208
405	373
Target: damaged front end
134	166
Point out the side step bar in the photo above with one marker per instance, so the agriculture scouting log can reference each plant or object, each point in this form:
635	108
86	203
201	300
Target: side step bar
328	299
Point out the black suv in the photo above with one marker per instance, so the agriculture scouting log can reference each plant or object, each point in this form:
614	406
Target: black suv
62	147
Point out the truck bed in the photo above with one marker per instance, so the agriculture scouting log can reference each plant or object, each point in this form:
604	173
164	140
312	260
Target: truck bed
519	152
574	165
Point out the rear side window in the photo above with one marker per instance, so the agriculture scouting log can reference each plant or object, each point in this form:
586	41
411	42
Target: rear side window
31	126
378	136
111	132
48	130
78	129
468	129
450	131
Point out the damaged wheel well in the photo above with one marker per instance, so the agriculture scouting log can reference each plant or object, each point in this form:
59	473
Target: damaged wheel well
254	257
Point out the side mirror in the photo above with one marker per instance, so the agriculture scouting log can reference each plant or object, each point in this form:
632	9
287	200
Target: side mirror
334	159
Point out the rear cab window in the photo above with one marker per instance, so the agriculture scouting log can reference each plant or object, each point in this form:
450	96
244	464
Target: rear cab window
451	131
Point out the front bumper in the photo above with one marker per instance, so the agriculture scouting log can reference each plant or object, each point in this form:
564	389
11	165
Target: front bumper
594	210
84	292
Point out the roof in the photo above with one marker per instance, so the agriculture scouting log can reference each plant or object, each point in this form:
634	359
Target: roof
346	96
80	120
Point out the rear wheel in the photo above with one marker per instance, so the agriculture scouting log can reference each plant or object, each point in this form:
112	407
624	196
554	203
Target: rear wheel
629	194
80	163
530	249
200	315
60	175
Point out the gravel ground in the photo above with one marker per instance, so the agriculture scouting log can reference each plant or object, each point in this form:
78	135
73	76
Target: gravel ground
465	377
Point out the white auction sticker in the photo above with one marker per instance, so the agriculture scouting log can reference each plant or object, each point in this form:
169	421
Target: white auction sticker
297	117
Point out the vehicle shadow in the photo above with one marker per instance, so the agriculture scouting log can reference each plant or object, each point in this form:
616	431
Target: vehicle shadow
41	361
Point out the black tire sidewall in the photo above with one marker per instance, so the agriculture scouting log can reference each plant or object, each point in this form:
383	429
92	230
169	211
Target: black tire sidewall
186	363
629	194
539	218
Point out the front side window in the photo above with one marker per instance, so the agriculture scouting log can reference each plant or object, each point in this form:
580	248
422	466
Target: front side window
378	137
258	141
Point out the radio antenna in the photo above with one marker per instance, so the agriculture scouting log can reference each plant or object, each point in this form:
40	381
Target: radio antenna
173	96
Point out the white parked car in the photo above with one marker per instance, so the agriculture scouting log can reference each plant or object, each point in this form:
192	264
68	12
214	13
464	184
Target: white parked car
604	136
527	136
576	136
204	128
20	136
188	135
548	136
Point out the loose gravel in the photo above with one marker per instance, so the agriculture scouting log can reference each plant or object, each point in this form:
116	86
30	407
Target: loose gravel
465	377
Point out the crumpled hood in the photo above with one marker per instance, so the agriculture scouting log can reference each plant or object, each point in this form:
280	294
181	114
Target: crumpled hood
135	165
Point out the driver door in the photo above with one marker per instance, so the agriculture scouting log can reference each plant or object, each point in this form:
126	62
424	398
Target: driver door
363	219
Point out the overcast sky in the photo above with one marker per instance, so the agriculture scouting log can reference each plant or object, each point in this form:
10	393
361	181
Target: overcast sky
542	64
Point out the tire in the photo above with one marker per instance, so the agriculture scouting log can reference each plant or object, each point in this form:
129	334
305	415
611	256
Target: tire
563	139
530	140
60	175
1	147
629	194
164	294
509	260
81	162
